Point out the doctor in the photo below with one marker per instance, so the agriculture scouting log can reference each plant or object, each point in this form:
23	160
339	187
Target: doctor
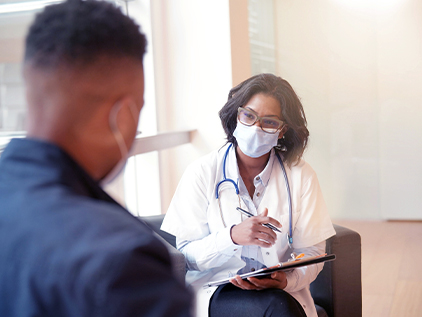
260	169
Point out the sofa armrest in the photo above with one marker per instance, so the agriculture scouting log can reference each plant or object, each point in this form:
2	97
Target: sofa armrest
338	288
178	262
154	222
177	258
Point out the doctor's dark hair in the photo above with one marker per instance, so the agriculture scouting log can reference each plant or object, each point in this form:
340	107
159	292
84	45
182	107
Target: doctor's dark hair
295	138
77	32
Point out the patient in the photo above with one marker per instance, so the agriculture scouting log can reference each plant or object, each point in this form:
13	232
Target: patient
66	247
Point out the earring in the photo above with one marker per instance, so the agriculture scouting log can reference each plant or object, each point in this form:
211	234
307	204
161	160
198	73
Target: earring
283	148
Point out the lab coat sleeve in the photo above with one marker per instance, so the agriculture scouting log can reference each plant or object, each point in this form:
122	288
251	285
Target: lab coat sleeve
212	251
187	219
302	277
313	223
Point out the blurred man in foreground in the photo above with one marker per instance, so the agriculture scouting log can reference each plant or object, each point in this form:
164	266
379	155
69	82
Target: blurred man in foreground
66	247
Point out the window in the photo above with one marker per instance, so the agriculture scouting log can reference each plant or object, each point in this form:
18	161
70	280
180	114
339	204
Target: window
13	26
262	36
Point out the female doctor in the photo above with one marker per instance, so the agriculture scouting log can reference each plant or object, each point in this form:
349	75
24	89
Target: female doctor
260	170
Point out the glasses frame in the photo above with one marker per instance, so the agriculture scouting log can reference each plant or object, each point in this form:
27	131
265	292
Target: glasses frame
258	118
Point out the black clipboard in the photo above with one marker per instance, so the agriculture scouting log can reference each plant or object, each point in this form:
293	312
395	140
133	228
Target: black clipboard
278	267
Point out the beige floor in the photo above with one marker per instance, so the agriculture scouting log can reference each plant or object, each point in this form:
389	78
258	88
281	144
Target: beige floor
391	267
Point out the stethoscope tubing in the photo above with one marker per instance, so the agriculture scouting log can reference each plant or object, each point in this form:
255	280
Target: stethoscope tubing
290	236
224	175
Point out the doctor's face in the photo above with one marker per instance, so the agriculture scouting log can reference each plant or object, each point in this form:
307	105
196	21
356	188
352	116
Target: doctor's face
268	110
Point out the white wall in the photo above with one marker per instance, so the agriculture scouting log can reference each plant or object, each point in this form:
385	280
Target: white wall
357	66
193	77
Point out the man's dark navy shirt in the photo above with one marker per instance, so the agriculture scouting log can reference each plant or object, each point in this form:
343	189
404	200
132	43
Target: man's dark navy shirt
68	249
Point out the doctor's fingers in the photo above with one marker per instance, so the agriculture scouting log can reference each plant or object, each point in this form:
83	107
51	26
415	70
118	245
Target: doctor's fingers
265	283
264	240
259	238
243	284
270	220
257	225
262	243
259	228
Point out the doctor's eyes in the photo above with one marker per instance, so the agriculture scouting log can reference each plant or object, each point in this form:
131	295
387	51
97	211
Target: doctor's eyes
269	125
246	116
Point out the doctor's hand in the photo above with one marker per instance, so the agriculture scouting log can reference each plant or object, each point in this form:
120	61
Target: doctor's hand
252	232
275	280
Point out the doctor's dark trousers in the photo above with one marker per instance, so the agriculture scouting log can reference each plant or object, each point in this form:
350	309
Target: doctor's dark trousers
231	301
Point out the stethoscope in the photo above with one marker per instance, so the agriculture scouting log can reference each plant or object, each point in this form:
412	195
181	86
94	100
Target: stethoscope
236	187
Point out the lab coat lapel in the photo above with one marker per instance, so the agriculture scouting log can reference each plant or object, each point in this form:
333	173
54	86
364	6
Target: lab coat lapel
276	200
227	215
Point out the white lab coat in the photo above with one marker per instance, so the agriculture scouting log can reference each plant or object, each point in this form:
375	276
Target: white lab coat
194	215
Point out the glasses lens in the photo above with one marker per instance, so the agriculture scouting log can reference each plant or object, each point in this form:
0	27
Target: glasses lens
246	117
270	125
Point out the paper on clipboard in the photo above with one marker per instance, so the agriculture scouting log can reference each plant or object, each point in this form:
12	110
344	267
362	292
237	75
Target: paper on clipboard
278	267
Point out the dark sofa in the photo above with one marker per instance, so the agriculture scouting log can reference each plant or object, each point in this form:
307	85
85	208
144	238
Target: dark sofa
337	291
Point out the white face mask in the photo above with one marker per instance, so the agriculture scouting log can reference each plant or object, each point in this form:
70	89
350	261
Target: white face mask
124	151
254	142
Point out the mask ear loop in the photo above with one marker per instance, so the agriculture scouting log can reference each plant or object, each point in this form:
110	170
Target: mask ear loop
133	110
112	119
115	130
119	167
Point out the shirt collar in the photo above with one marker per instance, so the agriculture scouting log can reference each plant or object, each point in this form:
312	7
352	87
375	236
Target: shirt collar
264	176
232	170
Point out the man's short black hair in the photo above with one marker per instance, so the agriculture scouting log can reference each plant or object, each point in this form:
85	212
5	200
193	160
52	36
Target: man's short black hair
78	32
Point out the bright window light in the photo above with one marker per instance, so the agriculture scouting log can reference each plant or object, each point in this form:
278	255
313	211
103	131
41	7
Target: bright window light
25	6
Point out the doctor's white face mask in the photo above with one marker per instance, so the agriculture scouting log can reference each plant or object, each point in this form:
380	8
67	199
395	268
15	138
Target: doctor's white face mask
254	142
124	151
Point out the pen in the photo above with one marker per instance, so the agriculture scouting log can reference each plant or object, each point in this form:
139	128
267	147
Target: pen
248	214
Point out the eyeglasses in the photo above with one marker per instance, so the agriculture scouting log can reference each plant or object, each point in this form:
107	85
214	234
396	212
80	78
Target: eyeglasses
268	124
